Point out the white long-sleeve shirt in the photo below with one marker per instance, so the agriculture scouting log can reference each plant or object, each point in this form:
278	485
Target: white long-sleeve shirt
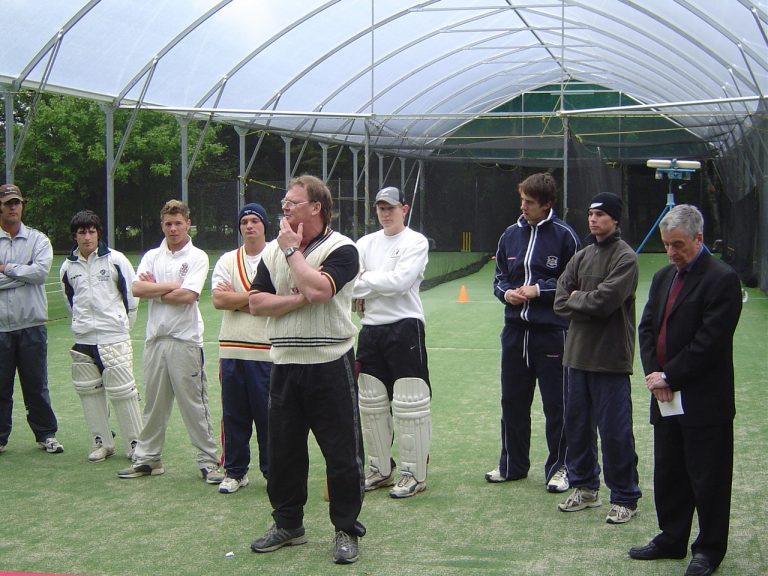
392	268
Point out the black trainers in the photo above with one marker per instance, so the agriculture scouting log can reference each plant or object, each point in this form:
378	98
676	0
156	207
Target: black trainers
278	537
346	548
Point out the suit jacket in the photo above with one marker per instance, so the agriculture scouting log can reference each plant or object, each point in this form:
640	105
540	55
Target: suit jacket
699	339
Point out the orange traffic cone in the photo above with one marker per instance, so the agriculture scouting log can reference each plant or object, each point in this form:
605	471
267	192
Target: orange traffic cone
463	295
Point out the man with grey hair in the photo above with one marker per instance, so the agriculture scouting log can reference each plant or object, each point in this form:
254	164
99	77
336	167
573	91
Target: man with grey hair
686	346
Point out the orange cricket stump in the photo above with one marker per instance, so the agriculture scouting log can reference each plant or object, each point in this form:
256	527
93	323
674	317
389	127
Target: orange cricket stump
463	297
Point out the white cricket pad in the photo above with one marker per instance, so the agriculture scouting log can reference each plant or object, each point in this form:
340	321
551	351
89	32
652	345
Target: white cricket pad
86	379
121	389
411	408
376	421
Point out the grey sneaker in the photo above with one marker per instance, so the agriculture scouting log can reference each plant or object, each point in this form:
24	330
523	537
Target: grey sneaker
51	445
619	514
99	452
407	486
580	499
559	481
278	537
136	470
213	475
375	479
347	550
231	485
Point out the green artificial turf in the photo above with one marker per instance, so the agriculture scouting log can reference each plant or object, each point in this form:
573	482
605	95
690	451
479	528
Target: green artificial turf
62	514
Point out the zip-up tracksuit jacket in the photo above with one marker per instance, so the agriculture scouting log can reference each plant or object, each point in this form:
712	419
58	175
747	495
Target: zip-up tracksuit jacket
532	339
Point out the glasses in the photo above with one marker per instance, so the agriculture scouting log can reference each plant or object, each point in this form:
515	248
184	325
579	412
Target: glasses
291	204
13	202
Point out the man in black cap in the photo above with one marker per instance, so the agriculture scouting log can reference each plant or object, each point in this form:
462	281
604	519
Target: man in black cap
244	363
25	260
596	293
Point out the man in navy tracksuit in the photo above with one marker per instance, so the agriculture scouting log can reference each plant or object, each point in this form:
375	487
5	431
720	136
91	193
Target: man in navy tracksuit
531	255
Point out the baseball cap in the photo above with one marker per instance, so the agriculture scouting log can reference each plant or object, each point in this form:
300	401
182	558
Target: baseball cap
8	191
390	195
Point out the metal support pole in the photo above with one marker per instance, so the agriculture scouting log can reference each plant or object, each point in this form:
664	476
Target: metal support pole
324	149
184	151
109	129
241	133
287	142
9	143
355	217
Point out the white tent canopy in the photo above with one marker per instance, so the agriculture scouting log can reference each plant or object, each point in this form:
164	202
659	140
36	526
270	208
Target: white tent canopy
400	74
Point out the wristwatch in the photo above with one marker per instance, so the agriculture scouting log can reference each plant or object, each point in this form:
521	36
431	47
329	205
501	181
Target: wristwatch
290	251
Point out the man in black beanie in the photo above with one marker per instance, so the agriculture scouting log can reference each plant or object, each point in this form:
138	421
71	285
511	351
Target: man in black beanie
244	363
596	293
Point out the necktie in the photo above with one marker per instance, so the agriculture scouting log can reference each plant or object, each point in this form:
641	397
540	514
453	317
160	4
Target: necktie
661	341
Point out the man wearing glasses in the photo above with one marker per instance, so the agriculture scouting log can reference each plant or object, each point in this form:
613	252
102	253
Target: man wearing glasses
25	260
304	286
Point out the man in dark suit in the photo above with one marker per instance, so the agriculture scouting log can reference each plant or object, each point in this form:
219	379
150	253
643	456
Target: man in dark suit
686	346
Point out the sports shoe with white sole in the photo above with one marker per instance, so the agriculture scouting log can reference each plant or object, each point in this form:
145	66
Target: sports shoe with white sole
619	514
559	481
51	445
580	499
347	548
100	452
231	485
375	479
276	538
137	470
407	486
213	475
495	477
3	447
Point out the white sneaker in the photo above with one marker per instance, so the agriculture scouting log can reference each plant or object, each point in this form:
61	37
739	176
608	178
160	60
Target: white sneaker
100	452
559	481
375	479
580	499
407	486
495	477
619	514
231	485
3	447
51	445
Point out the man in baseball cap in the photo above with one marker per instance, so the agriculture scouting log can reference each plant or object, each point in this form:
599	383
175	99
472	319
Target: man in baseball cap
9	191
25	260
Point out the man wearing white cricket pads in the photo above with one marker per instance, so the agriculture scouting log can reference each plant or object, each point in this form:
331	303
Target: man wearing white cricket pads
391	352
96	282
171	277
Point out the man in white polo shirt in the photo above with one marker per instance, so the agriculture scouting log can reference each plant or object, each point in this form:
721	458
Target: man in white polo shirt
171	278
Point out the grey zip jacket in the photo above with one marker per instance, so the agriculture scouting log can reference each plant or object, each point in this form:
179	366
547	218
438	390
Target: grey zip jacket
27	258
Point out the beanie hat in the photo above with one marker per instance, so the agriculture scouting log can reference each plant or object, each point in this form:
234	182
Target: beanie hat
257	210
608	203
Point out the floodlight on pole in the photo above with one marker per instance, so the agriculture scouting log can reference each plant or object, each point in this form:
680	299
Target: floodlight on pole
674	170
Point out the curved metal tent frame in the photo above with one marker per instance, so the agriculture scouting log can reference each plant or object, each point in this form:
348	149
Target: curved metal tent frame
385	60
401	77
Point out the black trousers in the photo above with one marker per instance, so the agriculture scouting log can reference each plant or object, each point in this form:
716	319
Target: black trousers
321	398
693	471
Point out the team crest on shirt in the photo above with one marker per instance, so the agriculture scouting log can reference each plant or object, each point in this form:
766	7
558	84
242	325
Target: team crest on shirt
396	252
552	261
103	275
184	270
